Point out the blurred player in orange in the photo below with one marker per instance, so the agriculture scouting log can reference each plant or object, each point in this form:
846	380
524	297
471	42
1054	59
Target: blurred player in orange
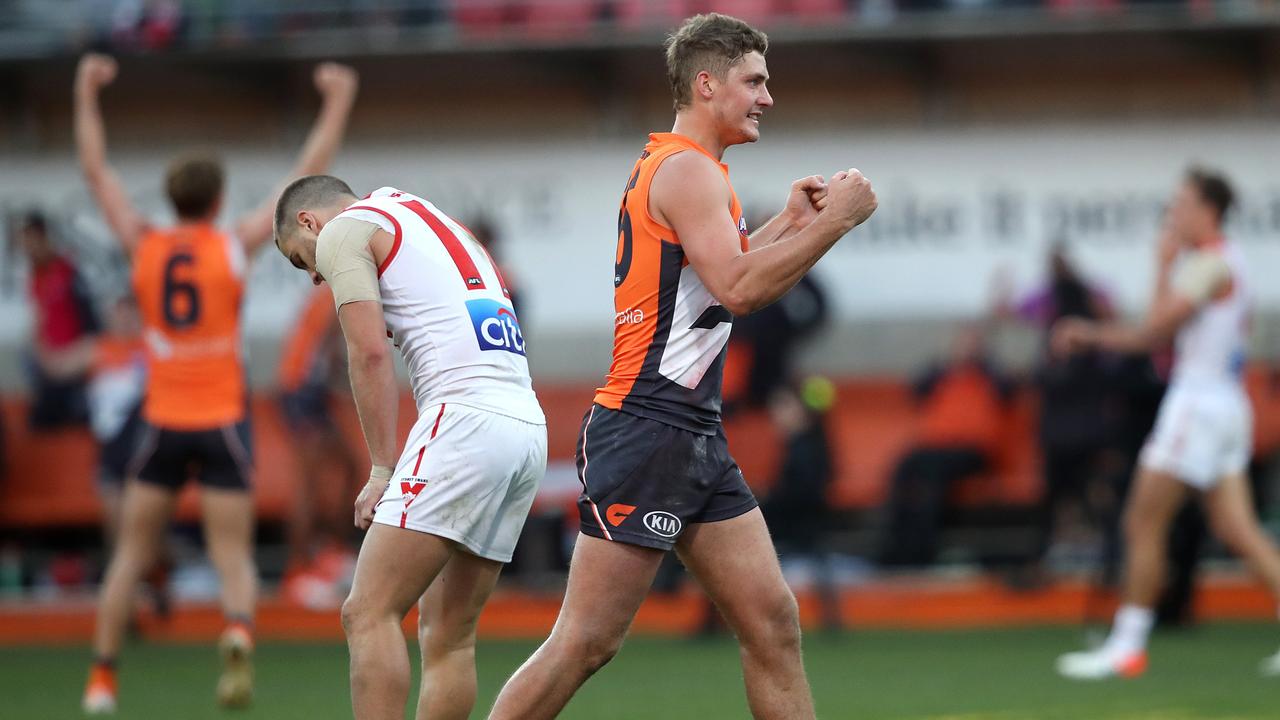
652	456
320	560
189	280
1202	438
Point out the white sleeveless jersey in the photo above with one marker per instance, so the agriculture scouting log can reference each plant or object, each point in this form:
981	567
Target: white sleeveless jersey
448	310
1210	348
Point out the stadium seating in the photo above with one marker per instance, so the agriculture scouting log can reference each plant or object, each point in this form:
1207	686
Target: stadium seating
871	424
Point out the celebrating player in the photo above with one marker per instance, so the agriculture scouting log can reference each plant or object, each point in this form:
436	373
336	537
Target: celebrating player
188	280
652	456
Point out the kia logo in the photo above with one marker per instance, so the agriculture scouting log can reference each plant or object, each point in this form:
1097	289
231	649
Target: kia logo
663	523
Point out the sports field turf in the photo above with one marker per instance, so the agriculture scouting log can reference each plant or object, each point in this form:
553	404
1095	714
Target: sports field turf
1004	675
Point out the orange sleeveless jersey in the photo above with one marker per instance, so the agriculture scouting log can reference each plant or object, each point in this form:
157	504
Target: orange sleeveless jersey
669	332
189	281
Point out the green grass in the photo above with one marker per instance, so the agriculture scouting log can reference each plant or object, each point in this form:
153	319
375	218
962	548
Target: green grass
1002	675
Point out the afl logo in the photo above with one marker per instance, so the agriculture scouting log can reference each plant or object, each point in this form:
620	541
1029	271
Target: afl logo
663	523
742	226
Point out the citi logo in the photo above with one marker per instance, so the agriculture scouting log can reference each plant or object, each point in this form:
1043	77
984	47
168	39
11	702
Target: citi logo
630	316
496	326
663	523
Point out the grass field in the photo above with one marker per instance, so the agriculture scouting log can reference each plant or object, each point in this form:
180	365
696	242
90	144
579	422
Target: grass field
1003	675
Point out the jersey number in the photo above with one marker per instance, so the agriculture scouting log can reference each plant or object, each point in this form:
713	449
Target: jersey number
622	264
181	298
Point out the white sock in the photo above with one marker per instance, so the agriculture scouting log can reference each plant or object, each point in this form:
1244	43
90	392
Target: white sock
1131	629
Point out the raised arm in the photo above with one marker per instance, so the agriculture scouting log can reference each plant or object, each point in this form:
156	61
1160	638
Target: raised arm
337	85
94	73
690	195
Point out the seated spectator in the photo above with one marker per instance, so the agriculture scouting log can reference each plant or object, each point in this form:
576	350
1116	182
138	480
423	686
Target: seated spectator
962	417
796	507
64	315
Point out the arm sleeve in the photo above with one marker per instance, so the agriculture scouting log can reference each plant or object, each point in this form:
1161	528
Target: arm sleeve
344	260
1201	276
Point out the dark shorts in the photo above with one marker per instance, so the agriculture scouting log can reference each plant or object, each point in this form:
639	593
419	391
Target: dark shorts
115	453
307	408
217	458
644	482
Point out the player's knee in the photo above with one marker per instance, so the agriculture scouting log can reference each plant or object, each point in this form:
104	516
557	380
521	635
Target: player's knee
1236	536
443	638
590	652
356	616
775	627
1136	523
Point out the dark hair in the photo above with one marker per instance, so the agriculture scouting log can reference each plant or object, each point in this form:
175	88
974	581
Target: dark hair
34	220
711	42
1214	188
194	185
311	191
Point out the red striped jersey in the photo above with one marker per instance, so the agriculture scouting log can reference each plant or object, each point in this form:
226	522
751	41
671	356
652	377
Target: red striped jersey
448	310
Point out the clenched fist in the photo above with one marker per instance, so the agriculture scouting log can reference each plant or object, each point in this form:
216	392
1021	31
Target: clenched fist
850	198
336	80
95	72
807	198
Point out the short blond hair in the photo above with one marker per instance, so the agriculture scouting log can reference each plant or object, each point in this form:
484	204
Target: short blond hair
711	42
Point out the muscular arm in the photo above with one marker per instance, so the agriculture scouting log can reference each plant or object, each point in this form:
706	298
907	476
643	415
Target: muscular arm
126	223
373	378
807	198
337	85
691	196
777	229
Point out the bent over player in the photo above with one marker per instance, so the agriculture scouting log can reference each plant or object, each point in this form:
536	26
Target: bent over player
1203	433
188	280
652	456
445	515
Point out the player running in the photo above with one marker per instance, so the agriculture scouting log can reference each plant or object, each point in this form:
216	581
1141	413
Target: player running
1202	437
188	280
445	516
652	455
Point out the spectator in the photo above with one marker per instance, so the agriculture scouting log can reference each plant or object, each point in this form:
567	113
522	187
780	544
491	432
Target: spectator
796	508
64	315
963	406
1080	418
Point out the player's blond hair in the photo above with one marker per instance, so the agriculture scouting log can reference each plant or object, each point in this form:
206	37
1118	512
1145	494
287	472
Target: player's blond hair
711	42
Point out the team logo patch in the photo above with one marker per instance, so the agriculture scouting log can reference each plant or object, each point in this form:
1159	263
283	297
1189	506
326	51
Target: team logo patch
618	512
663	523
496	326
410	487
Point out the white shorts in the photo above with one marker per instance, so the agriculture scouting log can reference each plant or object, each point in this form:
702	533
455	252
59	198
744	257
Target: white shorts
1201	435
467	475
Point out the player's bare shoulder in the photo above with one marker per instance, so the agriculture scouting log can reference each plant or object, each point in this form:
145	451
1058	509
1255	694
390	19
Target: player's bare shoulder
686	179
